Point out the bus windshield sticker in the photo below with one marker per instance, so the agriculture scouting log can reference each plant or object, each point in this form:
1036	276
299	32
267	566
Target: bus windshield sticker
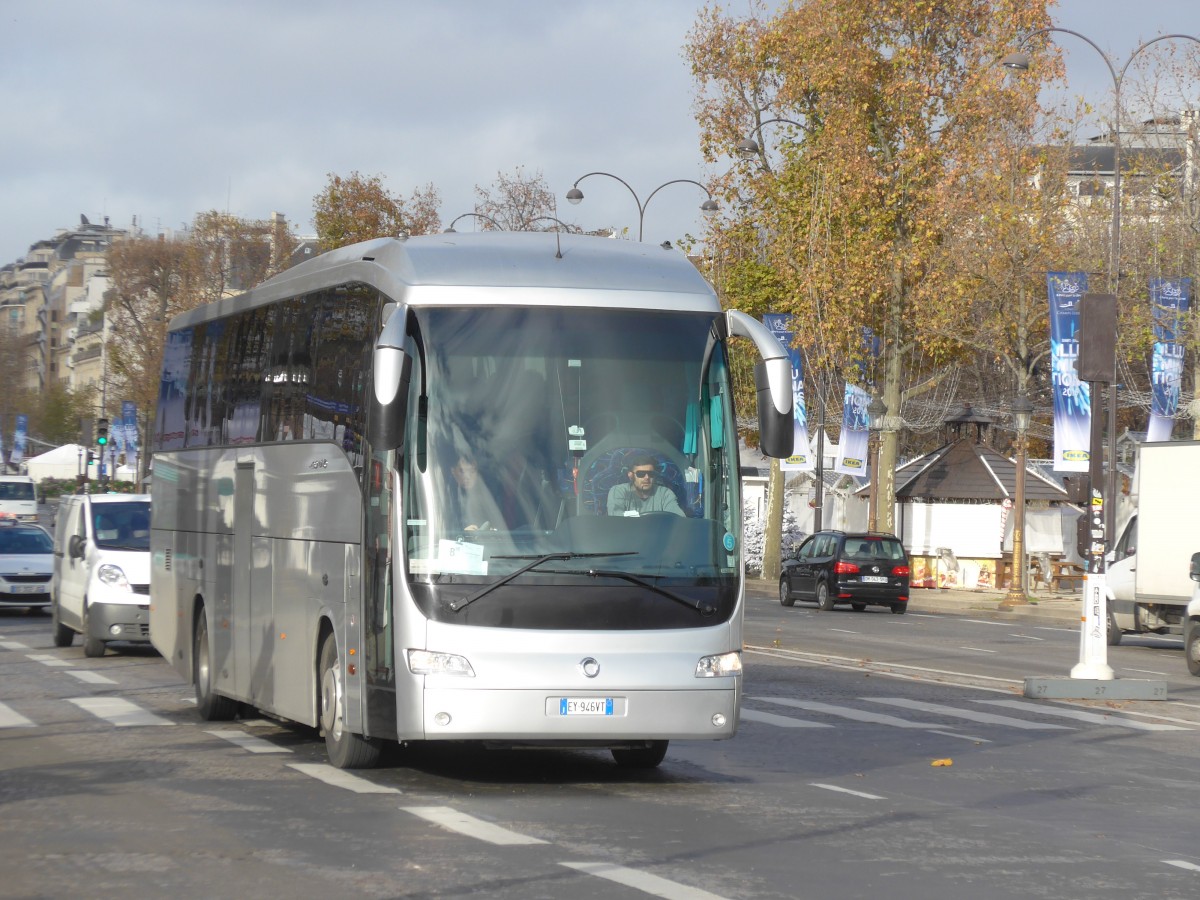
461	558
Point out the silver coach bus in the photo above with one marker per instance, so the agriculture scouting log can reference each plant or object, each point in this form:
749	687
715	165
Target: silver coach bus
381	496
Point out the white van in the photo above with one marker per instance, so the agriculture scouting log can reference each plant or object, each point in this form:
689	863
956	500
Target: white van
101	582
18	495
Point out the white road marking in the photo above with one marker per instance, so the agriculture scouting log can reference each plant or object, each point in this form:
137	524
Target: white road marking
843	630
1094	718
877	666
89	677
642	881
842	790
979	649
118	712
969	714
1182	864
46	660
1028	637
247	742
10	718
924	615
846	712
987	622
341	779
453	820
1146	671
965	737
753	715
1053	628
13	645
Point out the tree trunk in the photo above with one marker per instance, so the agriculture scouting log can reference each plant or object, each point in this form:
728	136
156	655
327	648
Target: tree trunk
773	533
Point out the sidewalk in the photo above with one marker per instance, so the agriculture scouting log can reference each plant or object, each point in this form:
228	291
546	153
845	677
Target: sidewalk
1043	606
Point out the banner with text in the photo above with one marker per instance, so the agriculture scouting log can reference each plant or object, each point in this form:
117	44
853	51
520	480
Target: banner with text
1072	398
801	459
1169	299
19	437
852	444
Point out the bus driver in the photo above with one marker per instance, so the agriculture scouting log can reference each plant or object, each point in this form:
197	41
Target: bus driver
642	495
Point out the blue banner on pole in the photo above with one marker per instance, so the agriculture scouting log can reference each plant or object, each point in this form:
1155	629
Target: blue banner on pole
1072	397
852	444
19	437
1169	298
801	459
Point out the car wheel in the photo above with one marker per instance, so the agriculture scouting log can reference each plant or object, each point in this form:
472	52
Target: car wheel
211	705
92	647
641	757
858	607
785	593
1113	633
63	636
899	609
1191	649
824	598
346	750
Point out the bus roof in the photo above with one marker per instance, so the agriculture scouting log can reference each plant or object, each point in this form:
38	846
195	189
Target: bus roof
498	267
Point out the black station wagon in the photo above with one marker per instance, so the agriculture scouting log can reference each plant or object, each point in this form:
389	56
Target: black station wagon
862	569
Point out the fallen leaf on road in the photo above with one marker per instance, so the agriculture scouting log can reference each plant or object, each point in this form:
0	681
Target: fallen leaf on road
942	762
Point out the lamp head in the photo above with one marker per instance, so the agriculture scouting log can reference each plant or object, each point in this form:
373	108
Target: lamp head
1018	61
574	196
748	148
1022	411
876	411
709	206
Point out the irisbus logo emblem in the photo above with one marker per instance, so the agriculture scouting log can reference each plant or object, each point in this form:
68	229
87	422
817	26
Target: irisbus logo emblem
589	667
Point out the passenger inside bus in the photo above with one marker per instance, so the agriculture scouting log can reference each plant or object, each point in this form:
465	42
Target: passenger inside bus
473	506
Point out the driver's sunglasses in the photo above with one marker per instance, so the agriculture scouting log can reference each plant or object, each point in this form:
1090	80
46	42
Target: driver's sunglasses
643	473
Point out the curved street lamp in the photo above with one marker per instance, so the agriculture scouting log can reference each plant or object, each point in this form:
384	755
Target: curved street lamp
748	147
1022	411
708	207
1020	61
450	227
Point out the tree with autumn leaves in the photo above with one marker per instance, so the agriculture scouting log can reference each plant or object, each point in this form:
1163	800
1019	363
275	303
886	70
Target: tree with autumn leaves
878	127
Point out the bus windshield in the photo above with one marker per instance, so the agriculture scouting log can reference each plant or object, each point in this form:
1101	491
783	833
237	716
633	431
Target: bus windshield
602	440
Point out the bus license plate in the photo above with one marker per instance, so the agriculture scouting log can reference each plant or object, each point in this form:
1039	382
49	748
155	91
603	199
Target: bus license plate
585	706
875	579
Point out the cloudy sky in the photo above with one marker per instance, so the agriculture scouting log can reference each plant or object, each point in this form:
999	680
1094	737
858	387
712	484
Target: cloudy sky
160	110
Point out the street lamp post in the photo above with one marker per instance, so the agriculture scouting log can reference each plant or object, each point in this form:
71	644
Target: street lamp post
494	223
1022	411
1019	60
708	207
877	412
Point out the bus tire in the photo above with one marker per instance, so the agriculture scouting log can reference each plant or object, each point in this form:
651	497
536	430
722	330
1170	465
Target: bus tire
1191	647
346	749
647	757
211	705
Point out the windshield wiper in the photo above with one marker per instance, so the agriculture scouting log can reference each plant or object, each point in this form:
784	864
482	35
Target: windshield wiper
460	605
705	609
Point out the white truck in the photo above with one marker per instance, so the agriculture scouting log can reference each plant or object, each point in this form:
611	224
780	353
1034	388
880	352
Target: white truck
18	496
1147	574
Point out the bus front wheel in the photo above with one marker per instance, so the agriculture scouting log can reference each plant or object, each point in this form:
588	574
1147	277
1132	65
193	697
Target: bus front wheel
346	749
211	705
647	757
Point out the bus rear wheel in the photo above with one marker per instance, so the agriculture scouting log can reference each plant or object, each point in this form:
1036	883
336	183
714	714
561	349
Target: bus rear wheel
346	749
647	757
211	705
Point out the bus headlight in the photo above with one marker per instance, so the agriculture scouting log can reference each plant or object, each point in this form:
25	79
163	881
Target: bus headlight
719	665
113	576
430	662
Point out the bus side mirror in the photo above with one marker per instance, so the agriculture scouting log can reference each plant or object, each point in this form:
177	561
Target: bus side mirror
773	384
389	392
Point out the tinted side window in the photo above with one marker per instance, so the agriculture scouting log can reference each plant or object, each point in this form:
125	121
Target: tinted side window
808	549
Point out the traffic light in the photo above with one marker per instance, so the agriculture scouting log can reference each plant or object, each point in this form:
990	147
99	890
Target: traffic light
102	432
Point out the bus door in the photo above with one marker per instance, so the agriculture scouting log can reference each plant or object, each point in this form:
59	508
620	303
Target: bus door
243	563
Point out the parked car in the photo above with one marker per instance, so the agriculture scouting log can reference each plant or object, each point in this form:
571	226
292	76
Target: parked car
101	585
862	569
26	563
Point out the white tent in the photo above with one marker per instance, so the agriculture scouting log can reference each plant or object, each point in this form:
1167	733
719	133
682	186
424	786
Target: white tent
65	462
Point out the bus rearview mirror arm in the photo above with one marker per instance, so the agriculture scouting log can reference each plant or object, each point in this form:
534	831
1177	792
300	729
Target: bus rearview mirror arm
773	383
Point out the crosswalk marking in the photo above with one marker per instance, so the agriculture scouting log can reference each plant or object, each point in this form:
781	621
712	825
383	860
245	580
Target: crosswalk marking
1182	864
753	715
969	714
340	779
10	718
47	660
642	881
118	712
89	677
1082	716
470	826
845	712
13	645
248	742
842	790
